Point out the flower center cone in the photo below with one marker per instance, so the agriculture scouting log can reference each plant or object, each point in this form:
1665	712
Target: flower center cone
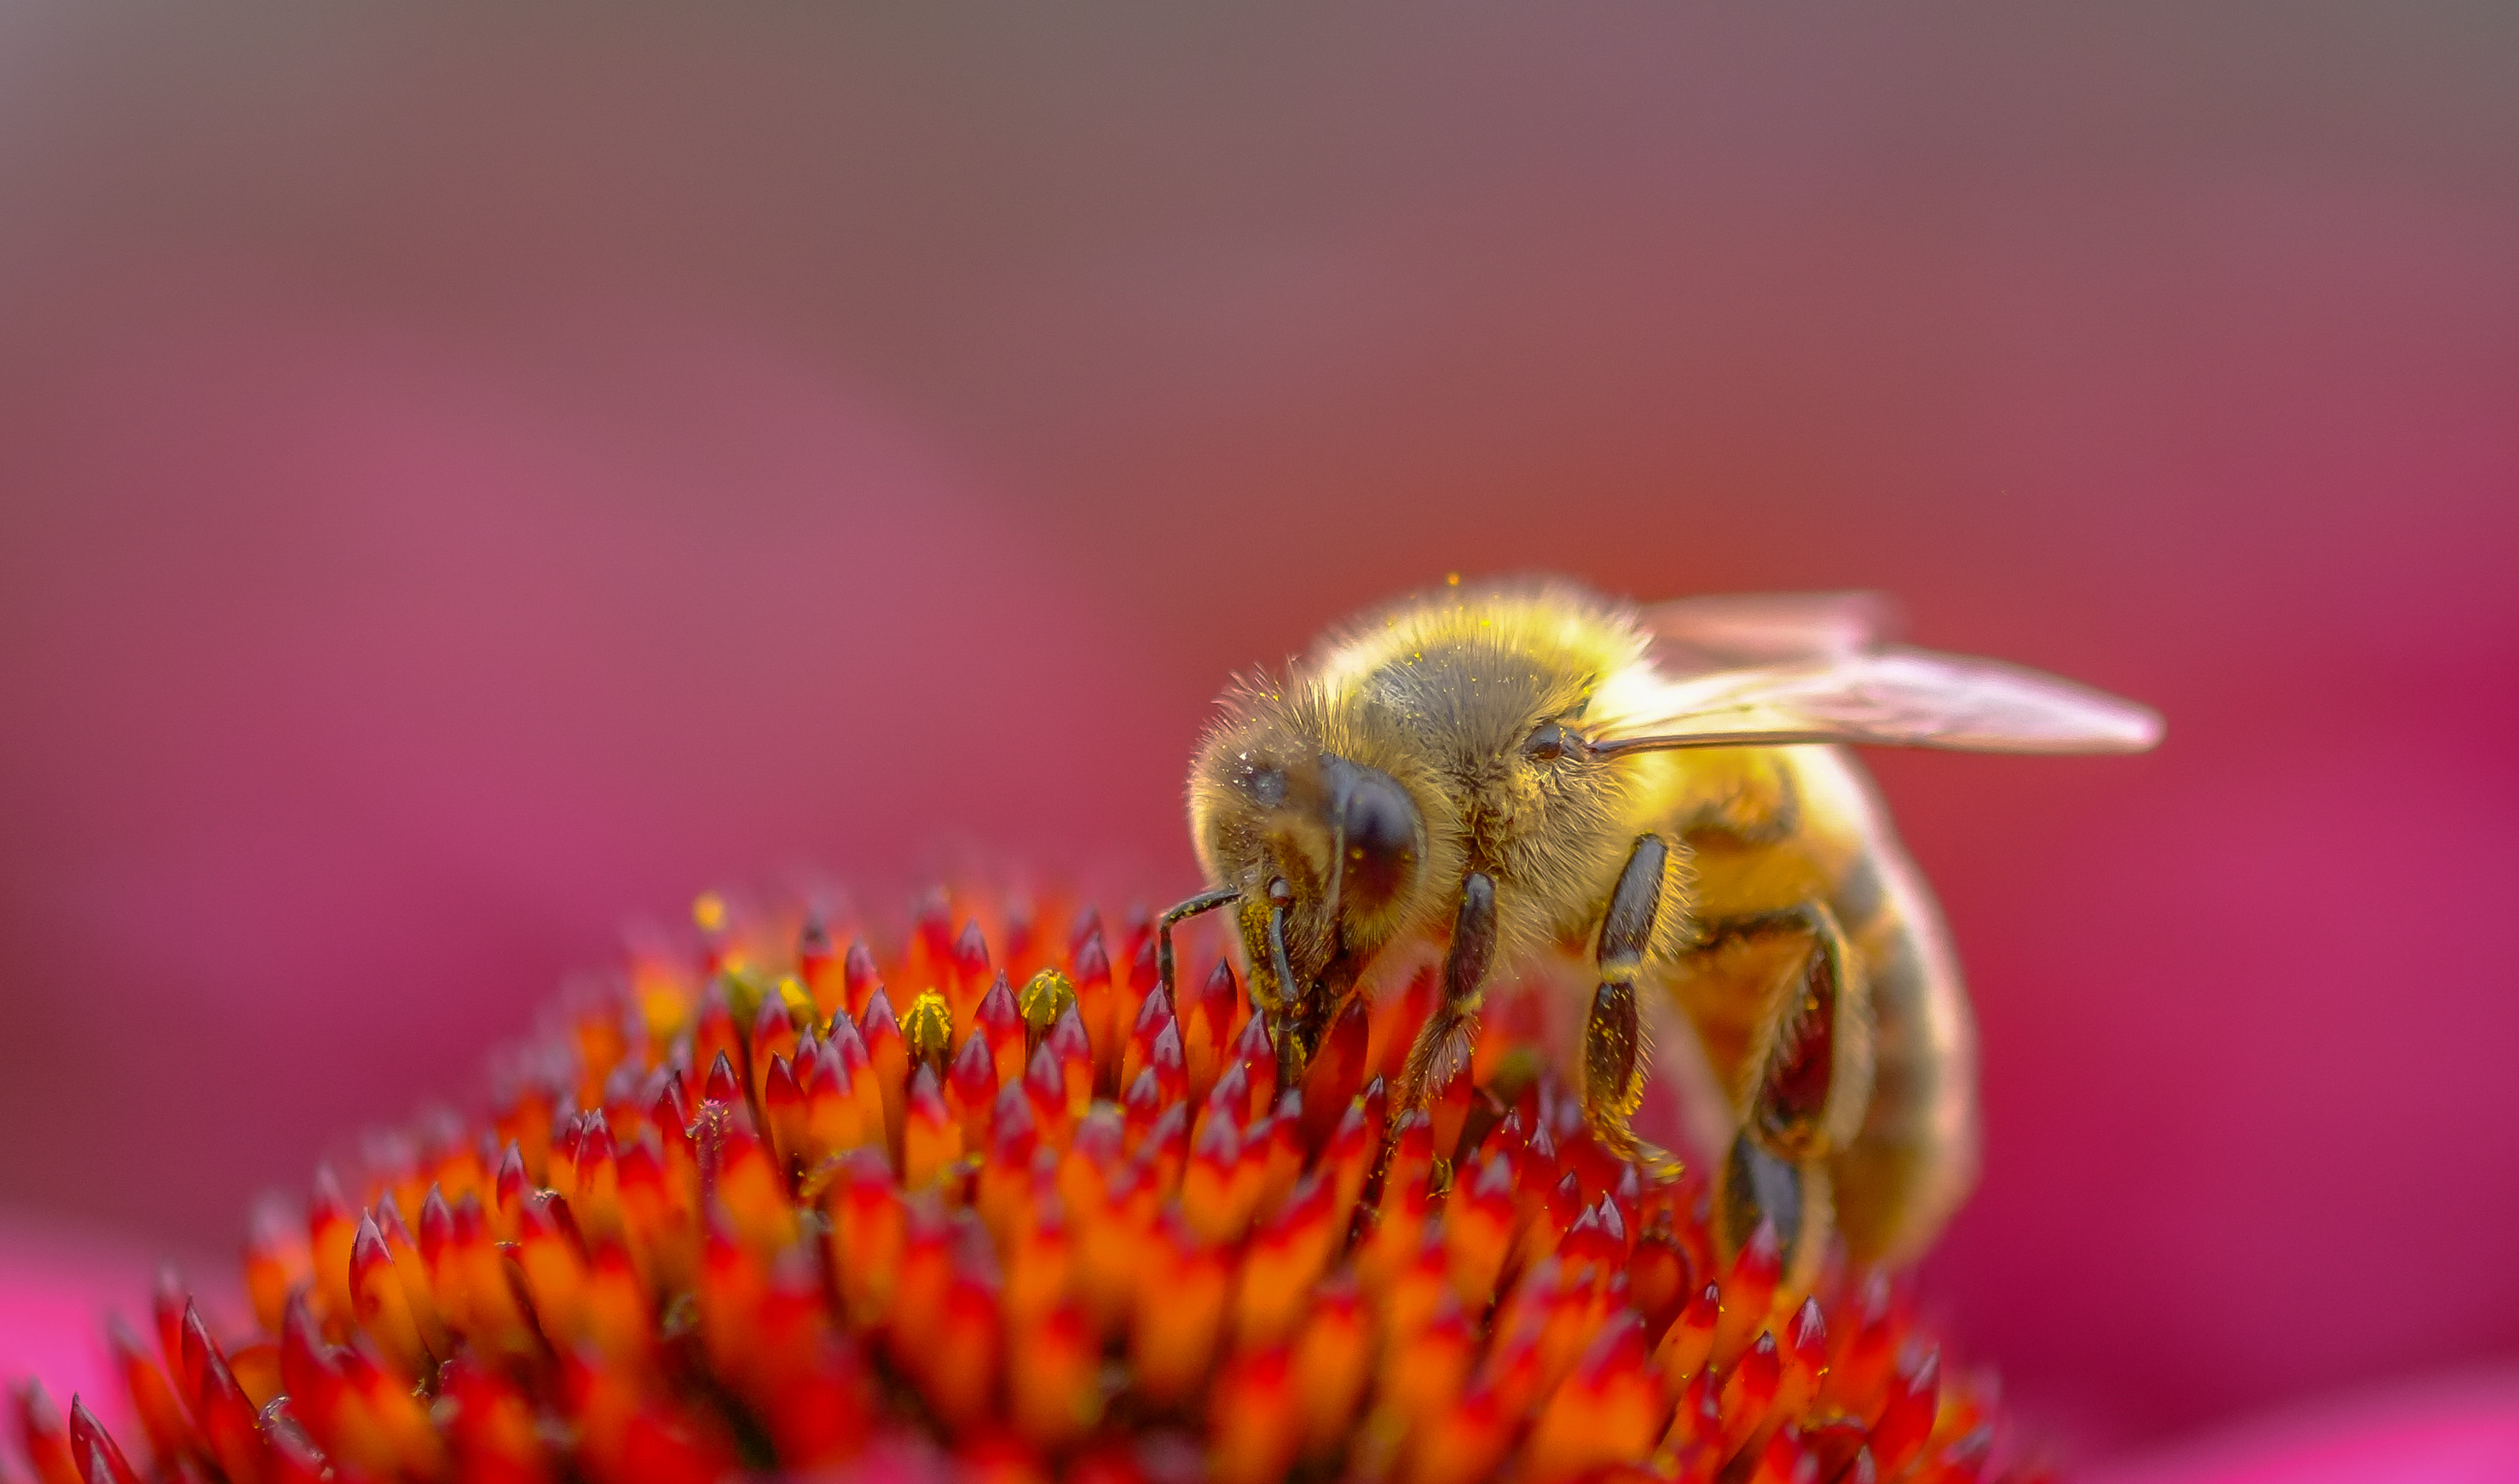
988	1203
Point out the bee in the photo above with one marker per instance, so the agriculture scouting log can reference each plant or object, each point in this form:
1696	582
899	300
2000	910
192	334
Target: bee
1654	812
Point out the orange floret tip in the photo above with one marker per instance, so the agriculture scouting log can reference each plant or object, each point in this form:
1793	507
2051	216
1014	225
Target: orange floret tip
1395	1020
971	1091
43	1438
100	1458
1101	1004
713	1034
774	1038
1207	1194
1182	1289
1273	1151
970	975
930	1141
167	1302
277	1259
1610	1411
1153	1014
734	1213
888	1054
382	1305
1907	1419
860	979
1257	1056
1045	1084
1749	1289
1145	971
1204	1019
722	1087
1072	1049
1411	1160
1002	1026
858	1083
1447	1111
1478	1230
1690	1341
1805	1358
595	1202
1335	1075
1256	1419
224	1413
1348	1160
1006	1176
153	1398
508	1184
782	1110
1286	1258
329	1231
1748	1391
817	965
1657	1280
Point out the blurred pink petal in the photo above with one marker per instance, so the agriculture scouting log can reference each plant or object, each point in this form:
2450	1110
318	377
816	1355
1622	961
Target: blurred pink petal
2460	1429
57	1285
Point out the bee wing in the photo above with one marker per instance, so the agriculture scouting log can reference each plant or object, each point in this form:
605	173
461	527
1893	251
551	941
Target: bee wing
1695	633
1892	697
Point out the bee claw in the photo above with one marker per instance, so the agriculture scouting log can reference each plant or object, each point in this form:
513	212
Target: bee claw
1757	1186
1659	1165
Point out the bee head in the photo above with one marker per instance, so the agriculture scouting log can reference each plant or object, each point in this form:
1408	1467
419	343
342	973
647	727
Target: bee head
1325	854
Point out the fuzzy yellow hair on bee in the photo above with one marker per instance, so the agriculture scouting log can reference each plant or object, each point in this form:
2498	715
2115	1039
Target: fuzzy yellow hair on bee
1654	810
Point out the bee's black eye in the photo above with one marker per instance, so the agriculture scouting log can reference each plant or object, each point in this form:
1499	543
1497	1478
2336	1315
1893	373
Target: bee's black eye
1383	840
1549	741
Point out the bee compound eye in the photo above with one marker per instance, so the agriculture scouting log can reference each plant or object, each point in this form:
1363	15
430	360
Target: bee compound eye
1383	835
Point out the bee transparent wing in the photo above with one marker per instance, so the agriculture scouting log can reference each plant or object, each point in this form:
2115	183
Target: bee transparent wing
1696	634
1886	697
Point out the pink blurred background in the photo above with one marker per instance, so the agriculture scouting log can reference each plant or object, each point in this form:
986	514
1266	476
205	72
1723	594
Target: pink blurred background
470	478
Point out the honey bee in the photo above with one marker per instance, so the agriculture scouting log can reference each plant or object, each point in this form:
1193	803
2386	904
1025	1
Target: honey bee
1650	810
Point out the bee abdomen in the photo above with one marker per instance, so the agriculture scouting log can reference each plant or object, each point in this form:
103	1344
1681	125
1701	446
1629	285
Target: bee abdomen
1860	894
1914	1156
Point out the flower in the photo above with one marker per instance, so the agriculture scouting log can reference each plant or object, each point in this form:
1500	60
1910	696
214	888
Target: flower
993	1203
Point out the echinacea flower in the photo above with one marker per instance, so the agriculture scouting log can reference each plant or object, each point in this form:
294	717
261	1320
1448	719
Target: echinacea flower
992	1205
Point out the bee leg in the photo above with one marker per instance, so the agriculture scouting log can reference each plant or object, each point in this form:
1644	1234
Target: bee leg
1814	1067
1813	1081
1441	1050
1792	1196
1614	1041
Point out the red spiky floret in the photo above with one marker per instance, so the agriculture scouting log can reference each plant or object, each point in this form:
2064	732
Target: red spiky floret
750	1219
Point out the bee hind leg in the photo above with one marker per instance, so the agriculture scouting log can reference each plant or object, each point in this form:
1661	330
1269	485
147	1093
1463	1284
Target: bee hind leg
1813	1082
1614	1039
1790	1196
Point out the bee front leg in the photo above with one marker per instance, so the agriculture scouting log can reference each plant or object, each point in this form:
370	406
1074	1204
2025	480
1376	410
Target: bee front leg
1613	1040
1441	1050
